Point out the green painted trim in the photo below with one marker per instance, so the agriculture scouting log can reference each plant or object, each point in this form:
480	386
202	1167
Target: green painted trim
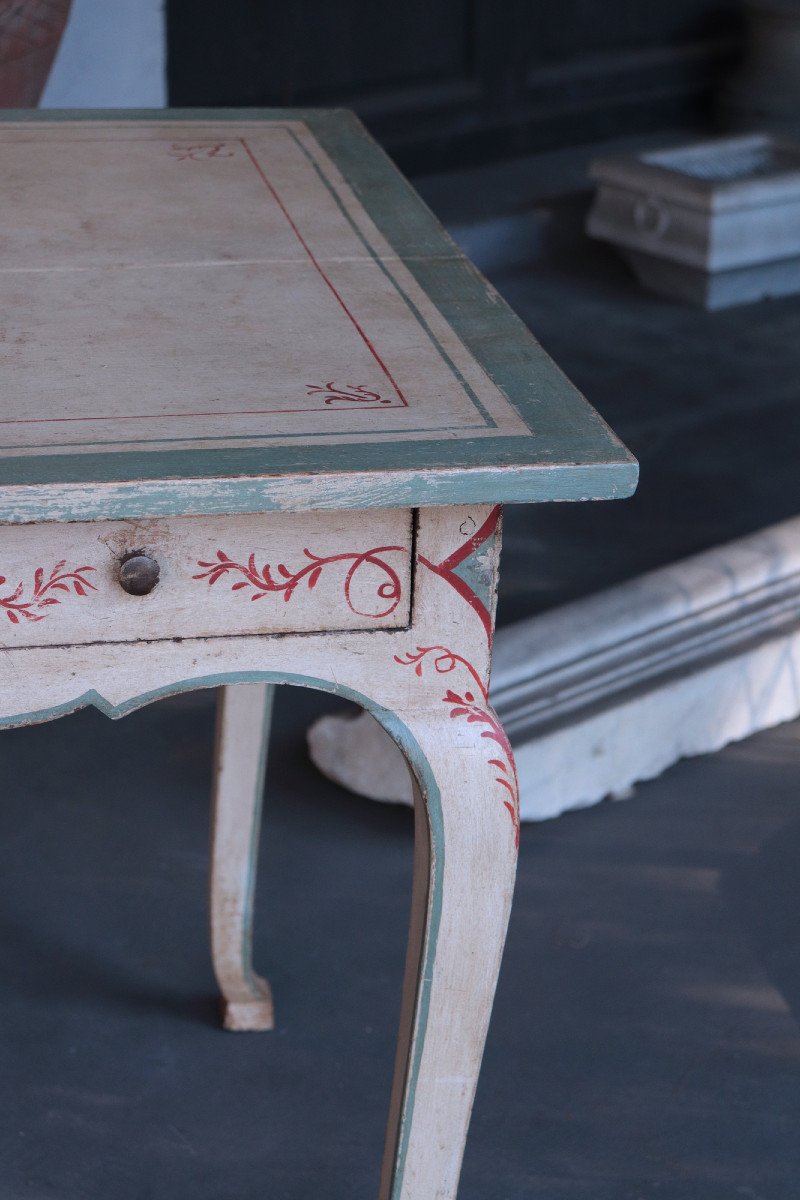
392	489
570	453
255	836
411	749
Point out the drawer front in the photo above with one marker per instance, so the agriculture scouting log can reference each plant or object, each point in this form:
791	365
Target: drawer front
216	576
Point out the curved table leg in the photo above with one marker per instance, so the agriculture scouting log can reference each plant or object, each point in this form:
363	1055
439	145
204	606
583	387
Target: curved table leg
243	722
465	863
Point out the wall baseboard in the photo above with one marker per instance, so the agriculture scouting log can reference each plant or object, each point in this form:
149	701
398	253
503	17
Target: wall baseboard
612	689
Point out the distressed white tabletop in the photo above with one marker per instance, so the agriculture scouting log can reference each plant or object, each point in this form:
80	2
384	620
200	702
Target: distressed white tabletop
222	314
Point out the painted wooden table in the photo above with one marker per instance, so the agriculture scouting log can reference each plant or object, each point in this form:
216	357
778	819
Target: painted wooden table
258	418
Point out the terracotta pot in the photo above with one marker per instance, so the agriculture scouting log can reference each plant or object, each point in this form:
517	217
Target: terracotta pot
30	31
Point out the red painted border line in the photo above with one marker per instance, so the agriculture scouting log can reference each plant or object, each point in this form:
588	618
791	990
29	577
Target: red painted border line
464	590
256	412
322	274
445	570
219	412
471	545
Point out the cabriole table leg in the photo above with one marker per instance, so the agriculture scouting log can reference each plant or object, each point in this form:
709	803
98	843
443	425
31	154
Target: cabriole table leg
243	723
464	868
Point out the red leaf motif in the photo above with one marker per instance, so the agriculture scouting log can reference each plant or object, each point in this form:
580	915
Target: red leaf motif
59	580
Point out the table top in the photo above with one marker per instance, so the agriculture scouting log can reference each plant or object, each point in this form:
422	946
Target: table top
228	311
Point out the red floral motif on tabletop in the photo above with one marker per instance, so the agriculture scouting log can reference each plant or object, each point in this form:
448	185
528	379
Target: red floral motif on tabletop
198	151
358	394
16	605
473	706
262	580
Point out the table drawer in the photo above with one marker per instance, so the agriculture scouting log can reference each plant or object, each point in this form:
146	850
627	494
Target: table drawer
251	574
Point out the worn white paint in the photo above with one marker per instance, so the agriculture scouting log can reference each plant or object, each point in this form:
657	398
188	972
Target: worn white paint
611	690
178	328
424	683
61	580
329	347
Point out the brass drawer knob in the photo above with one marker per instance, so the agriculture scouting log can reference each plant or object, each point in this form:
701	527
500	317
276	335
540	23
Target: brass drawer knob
138	573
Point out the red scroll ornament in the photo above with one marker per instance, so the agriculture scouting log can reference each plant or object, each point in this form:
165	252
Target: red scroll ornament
476	711
262	581
358	394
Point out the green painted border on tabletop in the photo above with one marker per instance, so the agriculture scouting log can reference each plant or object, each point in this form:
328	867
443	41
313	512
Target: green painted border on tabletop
570	454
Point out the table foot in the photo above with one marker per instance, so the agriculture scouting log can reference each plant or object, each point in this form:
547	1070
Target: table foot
252	1015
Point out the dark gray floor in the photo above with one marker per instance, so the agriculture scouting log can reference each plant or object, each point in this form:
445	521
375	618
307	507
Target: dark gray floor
644	1042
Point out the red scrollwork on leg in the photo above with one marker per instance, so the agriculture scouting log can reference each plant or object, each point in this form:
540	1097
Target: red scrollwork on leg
472	706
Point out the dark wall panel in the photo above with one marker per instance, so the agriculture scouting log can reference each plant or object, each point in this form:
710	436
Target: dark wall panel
244	52
445	82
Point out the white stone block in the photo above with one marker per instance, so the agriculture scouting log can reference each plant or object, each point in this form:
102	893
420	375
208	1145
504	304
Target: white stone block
716	223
